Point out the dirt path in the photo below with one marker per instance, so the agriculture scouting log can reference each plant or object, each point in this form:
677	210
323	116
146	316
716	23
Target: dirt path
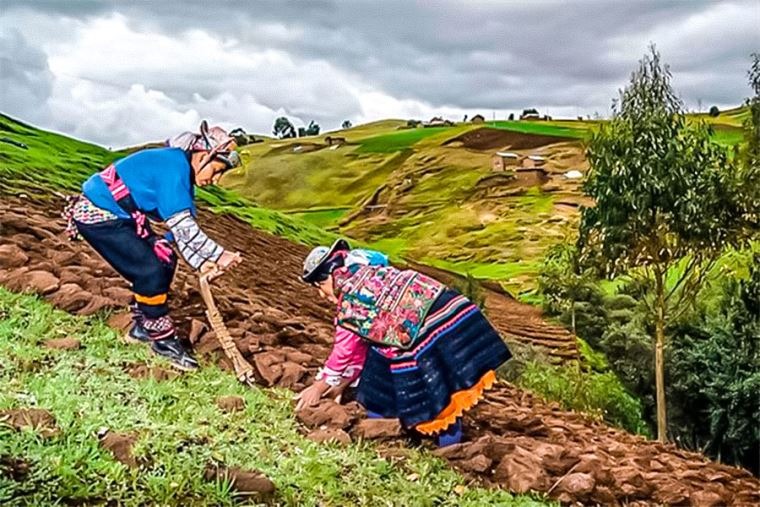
515	441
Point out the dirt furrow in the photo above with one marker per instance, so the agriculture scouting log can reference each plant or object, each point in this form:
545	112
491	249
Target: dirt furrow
514	440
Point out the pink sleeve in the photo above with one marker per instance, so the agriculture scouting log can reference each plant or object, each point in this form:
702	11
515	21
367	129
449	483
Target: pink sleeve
347	355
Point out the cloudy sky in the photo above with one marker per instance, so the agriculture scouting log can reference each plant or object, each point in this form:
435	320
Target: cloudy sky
121	73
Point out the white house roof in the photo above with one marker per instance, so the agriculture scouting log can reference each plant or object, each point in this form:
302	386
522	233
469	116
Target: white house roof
507	154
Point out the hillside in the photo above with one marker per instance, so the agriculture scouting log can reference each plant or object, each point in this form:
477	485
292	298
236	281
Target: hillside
429	194
515	441
40	164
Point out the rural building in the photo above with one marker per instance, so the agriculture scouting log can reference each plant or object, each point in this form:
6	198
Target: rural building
478	118
533	161
530	114
334	141
437	121
502	159
531	176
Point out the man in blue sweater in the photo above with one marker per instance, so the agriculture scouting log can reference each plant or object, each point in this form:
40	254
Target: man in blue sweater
113	214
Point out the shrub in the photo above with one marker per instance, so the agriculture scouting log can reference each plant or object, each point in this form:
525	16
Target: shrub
714	111
598	394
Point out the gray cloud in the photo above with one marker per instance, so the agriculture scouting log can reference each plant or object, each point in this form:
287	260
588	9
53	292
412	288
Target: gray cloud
326	60
26	82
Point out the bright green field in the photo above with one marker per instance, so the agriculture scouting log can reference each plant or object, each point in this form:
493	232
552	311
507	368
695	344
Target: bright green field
397	141
323	218
572	129
180	430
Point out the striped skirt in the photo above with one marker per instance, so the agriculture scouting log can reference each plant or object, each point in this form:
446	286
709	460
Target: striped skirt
443	375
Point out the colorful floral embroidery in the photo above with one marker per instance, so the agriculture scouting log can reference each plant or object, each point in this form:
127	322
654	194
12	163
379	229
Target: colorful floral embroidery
383	304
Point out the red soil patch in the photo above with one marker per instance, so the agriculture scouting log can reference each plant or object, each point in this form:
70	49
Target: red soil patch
514	440
230	403
329	435
143	371
493	139
15	469
37	419
242	481
62	344
120	446
379	428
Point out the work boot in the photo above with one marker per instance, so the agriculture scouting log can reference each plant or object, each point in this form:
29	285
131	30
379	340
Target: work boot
164	342
137	332
176	353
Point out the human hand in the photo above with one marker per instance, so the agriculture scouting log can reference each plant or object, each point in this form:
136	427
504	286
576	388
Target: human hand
336	392
228	259
311	395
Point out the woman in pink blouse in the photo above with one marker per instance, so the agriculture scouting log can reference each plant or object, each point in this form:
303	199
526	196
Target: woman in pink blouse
420	351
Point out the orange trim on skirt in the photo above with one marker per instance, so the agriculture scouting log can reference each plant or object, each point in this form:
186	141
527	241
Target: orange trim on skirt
151	300
461	401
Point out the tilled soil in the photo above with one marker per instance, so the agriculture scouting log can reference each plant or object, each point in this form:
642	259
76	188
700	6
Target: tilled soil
514	440
486	138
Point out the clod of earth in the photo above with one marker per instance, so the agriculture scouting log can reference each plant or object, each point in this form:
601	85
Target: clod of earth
291	374
120	445
42	282
62	344
326	413
196	329
530	444
16	469
37	419
143	371
120	295
242	481
120	321
230	403
329	435
266	365
577	485
12	256
522	472
378	428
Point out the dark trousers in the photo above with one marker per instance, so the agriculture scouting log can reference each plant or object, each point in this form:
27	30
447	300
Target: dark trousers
133	258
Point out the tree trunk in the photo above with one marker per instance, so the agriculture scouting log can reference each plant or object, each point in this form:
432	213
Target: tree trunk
659	358
572	315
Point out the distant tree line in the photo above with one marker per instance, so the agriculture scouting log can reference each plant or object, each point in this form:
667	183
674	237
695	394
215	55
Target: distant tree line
284	129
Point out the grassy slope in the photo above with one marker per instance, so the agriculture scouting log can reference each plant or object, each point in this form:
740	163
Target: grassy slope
180	430
437	218
56	163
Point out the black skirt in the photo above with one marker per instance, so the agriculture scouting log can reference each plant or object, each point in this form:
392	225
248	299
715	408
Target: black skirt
442	374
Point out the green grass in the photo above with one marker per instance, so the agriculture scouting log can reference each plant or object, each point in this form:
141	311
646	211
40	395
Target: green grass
569	129
598	394
55	163
725	135
322	218
397	141
511	275
730	117
180	430
51	163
